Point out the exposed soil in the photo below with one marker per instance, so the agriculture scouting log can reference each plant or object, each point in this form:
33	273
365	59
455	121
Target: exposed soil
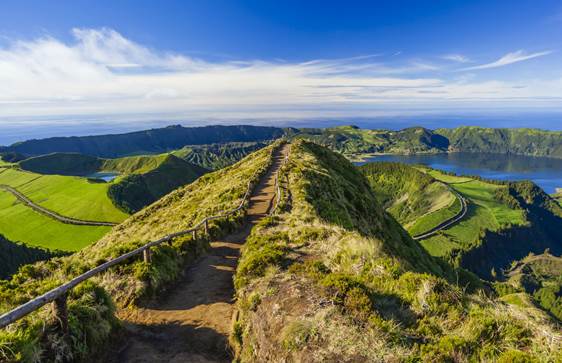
192	322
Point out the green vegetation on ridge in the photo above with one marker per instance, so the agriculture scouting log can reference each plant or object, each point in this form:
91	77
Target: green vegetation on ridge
335	278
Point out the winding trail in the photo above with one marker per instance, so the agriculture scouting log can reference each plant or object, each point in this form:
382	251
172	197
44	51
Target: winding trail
49	213
449	222
192	322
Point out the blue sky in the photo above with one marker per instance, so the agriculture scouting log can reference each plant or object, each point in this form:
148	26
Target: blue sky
134	63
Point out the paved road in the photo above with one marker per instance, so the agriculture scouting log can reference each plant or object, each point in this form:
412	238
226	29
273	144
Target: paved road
449	222
193	321
49	213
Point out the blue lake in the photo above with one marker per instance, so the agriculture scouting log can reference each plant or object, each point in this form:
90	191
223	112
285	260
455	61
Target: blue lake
545	172
107	176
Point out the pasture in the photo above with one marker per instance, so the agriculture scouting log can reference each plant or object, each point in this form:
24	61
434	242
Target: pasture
20	223
66	195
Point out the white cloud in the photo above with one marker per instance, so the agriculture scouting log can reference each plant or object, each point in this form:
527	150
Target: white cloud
510	58
104	73
456	58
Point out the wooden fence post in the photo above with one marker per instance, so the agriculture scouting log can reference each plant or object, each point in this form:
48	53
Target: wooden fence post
61	312
194	234
146	255
206	227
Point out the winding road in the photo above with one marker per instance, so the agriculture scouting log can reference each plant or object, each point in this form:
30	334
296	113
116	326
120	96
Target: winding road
49	213
449	222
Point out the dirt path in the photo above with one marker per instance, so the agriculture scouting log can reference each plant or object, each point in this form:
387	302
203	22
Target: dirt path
192	322
49	213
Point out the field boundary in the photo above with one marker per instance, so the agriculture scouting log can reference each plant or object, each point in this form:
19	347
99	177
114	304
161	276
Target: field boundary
51	214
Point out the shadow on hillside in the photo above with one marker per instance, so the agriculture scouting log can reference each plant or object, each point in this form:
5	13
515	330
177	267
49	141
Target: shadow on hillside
170	342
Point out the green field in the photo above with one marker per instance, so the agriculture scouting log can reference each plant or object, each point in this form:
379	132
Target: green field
41	230
484	213
69	196
435	218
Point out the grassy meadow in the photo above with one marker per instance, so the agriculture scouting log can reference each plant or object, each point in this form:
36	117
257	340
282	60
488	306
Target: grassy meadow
40	230
484	212
69	196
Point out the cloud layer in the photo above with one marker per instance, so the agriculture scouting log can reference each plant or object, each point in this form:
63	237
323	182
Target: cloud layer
103	73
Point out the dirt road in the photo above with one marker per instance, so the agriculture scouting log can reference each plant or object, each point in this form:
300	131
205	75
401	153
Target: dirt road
192	322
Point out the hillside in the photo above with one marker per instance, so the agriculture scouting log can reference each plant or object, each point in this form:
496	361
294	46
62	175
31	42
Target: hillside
134	192
13	255
216	156
145	142
496	249
92	304
334	278
532	142
539	276
417	200
353	141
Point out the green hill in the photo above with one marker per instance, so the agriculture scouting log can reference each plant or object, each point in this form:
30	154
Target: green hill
136	191
353	141
335	278
153	141
417	200
532	142
62	164
216	156
540	276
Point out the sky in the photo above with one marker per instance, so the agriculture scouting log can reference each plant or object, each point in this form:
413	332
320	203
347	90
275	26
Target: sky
79	67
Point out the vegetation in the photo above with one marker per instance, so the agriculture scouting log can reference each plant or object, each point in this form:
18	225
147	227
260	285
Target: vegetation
20	223
415	199
504	141
153	141
91	305
334	278
539	276
353	141
13	255
69	196
135	191
217	156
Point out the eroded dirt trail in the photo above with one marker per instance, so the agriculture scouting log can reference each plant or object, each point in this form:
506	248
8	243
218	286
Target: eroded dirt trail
192	322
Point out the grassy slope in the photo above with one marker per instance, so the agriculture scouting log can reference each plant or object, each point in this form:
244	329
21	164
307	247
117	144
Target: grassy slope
62	164
484	213
352	141
516	141
415	199
133	192
91	311
539	277
334	278
133	164
216	156
13	255
41	230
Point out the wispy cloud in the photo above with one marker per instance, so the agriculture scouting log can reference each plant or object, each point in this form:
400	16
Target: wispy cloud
456	58
510	58
103	73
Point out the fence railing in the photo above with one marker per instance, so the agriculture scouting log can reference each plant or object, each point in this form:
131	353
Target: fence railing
59	294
